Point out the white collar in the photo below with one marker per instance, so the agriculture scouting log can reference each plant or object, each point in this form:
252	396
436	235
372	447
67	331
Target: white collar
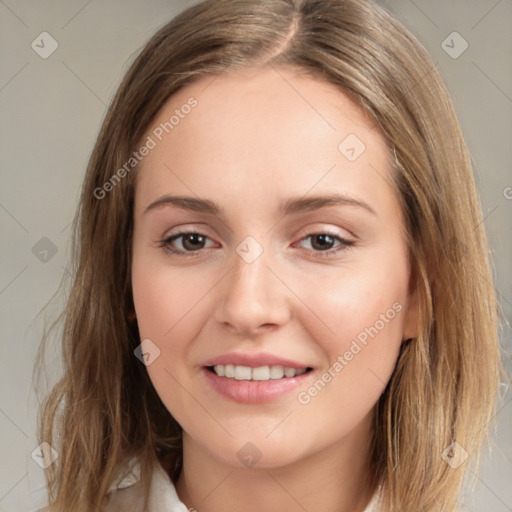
164	498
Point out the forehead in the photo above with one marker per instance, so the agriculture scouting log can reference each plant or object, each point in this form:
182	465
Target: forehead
262	127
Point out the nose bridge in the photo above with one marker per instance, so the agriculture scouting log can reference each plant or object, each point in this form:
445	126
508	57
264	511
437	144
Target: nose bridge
252	296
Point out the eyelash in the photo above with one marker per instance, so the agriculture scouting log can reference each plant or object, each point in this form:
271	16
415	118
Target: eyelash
343	243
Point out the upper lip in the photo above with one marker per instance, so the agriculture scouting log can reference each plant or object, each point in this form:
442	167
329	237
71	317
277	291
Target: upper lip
253	360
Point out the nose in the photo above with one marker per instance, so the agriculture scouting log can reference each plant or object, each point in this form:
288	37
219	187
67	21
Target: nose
253	298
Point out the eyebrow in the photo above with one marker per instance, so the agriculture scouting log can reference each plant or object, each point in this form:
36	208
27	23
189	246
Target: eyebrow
292	205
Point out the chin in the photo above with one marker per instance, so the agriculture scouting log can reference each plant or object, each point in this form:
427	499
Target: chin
250	451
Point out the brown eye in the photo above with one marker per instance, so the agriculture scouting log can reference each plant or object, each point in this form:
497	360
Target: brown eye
322	242
193	241
186	243
326	244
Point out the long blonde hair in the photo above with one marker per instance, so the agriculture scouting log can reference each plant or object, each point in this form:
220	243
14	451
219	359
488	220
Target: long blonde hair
104	410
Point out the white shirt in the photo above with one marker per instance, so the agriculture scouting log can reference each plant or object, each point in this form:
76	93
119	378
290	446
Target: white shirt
126	494
163	497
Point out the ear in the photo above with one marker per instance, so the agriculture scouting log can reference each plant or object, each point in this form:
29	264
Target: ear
411	320
131	316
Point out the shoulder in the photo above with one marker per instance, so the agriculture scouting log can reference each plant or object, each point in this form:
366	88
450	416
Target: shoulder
119	501
122	497
128	494
129	498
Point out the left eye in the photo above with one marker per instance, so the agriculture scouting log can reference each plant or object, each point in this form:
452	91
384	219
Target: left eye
321	241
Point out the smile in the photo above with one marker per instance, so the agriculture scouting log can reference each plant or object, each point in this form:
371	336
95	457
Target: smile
260	373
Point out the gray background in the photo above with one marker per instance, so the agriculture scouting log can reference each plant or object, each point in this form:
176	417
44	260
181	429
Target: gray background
52	109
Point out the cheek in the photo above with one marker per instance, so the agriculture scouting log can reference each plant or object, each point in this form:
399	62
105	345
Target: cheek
358	325
349	305
171	304
166	299
169	311
366	315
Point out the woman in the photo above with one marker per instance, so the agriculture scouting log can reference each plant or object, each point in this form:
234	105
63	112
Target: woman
282	299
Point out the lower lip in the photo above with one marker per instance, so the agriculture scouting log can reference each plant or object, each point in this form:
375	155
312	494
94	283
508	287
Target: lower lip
254	391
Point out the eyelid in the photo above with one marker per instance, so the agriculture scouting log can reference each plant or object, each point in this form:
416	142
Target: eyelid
185	230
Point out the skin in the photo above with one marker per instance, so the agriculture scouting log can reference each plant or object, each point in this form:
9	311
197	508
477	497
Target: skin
255	139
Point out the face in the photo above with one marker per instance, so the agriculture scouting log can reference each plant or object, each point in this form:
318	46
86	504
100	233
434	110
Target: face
276	297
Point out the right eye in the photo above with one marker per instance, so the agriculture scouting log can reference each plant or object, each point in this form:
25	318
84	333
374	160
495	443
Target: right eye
191	243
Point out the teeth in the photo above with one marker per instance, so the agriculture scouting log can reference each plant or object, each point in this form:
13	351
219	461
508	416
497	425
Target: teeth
276	372
242	373
289	372
260	373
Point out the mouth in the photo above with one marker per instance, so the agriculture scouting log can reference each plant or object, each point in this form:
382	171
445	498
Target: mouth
255	378
260	373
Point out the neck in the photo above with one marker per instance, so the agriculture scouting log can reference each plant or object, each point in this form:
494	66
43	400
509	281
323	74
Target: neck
335	478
